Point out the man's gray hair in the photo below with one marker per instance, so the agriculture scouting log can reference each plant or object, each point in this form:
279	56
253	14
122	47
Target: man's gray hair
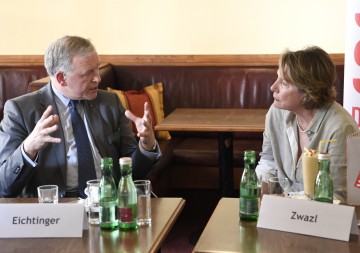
60	53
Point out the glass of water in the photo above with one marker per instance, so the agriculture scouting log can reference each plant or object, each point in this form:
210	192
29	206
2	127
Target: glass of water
48	194
92	191
143	189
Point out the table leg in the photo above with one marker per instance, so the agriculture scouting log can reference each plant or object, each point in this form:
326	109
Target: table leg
226	164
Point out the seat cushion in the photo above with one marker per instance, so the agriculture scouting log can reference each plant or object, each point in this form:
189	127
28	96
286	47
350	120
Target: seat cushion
134	100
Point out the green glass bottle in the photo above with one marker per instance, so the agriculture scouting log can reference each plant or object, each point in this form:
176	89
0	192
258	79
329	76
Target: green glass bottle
323	190
127	196
107	196
249	197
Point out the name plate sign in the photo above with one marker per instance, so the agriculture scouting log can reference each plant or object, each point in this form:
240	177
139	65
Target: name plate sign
41	220
308	217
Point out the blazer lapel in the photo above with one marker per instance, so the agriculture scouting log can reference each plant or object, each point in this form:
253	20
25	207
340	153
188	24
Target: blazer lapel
59	149
95	123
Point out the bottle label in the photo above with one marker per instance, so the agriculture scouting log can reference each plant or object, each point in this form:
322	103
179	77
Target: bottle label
126	214
249	206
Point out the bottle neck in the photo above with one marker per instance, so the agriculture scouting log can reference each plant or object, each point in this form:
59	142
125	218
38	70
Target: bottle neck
126	170
127	175
106	166
249	163
324	165
106	171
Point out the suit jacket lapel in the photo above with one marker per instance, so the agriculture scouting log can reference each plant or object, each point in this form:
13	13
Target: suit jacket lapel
59	149
93	116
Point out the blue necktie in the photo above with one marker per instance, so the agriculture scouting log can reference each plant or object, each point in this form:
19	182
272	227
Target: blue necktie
86	168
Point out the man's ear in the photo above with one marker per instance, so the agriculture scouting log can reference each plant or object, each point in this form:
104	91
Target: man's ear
60	78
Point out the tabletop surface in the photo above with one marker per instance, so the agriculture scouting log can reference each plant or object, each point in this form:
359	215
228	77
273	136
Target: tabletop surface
225	232
165	211
217	120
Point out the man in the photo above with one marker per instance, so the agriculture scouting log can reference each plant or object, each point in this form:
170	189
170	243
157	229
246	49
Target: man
37	140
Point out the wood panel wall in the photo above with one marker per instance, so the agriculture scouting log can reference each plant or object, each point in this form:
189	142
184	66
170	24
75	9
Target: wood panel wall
166	60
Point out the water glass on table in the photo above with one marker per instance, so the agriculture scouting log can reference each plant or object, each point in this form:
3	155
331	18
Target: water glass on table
278	186
263	186
143	189
48	194
92	191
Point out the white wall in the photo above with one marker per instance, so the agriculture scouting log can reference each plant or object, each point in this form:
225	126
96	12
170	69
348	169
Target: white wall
174	26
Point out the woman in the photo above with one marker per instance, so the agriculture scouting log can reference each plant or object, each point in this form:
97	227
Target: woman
305	112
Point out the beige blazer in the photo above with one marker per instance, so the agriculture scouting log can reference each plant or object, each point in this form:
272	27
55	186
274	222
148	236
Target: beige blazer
279	154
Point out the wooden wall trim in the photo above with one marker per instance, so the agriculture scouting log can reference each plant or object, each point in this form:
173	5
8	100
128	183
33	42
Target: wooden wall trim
21	60
166	60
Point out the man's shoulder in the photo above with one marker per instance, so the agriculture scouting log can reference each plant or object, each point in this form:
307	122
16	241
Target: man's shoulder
106	96
102	92
34	96
40	92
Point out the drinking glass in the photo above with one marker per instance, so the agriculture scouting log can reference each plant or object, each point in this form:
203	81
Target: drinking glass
261	185
278	186
48	194
143	189
92	191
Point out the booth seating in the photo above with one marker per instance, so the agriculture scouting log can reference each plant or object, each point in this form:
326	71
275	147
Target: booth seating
190	159
14	81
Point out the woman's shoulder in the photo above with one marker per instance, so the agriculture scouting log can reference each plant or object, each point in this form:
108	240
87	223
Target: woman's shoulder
337	117
337	112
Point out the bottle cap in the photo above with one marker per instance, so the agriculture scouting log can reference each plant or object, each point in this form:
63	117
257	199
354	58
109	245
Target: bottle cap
125	160
324	156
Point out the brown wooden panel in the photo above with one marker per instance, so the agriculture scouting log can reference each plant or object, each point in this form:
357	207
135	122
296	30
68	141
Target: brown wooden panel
168	60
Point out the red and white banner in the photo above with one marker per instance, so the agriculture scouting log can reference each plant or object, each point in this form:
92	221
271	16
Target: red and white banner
352	60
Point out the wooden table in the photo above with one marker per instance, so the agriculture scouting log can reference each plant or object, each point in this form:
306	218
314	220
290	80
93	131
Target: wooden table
225	232
165	211
223	121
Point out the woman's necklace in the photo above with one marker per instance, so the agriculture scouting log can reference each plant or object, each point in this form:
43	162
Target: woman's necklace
311	122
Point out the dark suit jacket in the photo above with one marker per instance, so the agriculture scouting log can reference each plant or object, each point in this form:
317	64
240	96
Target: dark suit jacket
109	126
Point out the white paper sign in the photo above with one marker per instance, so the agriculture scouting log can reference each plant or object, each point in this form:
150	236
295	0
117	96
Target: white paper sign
41	220
308	217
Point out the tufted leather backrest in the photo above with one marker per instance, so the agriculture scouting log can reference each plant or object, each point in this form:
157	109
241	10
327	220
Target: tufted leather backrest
208	86
14	82
199	86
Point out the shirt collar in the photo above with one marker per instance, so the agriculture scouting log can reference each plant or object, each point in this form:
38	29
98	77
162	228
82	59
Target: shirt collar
64	100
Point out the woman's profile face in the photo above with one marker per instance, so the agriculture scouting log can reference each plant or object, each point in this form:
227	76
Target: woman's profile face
286	95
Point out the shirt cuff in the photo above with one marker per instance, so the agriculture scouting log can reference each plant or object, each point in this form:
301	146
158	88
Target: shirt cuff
156	150
31	162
